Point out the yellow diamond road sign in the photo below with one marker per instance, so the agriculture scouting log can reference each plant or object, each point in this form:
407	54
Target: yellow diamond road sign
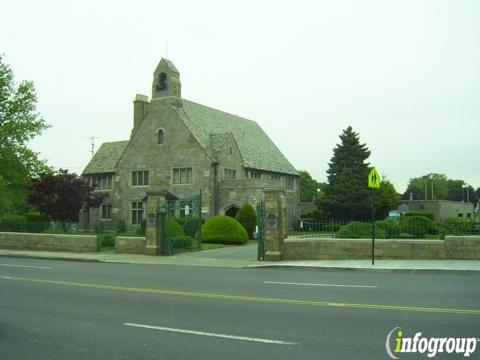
373	179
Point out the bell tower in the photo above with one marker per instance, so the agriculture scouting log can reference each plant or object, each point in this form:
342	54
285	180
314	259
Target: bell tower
166	80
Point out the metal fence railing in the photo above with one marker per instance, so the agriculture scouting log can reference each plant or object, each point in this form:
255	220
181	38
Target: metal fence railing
404	228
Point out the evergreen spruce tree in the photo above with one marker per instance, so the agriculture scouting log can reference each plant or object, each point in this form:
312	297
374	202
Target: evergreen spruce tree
346	196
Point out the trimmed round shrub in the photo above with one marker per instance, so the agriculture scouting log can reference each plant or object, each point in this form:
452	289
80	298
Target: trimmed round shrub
224	230
183	242
417	226
359	230
13	223
390	227
427	215
248	218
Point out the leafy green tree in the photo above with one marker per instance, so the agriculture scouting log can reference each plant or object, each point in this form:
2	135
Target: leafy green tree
346	195
309	187
386	199
440	187
248	218
19	123
61	195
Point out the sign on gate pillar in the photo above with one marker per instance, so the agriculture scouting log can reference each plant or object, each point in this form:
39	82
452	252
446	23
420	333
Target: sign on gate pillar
275	224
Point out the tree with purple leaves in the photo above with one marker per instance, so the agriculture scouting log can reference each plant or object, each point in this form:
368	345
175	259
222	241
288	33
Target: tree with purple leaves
61	195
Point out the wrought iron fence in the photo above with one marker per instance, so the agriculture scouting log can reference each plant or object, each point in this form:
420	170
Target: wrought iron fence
405	228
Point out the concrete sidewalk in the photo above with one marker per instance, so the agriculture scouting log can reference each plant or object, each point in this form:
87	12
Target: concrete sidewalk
224	259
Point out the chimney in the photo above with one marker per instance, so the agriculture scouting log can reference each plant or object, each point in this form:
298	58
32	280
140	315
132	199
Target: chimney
140	109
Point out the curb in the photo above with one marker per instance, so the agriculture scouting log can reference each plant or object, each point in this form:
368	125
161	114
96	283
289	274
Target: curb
345	268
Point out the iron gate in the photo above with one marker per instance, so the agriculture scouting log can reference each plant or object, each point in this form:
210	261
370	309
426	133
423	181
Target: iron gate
260	230
182	223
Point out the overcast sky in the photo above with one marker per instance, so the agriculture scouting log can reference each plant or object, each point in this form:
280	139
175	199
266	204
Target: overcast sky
404	74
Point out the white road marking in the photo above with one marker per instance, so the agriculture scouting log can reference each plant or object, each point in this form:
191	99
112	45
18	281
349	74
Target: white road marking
328	285
225	336
6	277
29	267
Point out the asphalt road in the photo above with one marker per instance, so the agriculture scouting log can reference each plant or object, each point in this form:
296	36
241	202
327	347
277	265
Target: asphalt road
74	310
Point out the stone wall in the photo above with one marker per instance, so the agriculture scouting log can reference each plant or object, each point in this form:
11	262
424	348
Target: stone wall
48	242
453	247
130	245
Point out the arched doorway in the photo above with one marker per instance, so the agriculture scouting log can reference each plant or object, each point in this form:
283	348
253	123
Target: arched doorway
232	211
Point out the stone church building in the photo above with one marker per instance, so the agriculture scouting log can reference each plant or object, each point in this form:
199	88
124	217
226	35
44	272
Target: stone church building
185	148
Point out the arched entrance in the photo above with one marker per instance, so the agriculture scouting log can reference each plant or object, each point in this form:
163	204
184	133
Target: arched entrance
232	211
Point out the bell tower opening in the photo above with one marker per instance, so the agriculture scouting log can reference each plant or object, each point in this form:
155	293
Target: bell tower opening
166	80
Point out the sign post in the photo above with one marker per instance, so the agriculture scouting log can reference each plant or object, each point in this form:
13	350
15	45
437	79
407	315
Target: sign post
374	184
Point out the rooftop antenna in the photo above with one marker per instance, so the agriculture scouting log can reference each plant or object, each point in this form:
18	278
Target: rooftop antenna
92	139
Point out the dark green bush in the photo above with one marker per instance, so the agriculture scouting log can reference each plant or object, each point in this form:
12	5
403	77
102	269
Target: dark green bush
427	215
359	230
183	242
191	226
224	230
248	218
142	229
13	223
35	217
107	239
174	229
180	220
121	227
390	227
417	226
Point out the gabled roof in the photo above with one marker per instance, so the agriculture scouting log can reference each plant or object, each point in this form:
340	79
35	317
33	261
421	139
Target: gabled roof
106	157
256	148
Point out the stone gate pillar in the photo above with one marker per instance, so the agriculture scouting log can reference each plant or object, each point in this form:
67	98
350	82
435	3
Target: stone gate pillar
154	230
275	223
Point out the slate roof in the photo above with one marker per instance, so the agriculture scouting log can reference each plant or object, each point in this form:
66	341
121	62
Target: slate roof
106	157
211	128
256	148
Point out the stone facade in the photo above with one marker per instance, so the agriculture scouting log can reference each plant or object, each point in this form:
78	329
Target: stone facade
187	148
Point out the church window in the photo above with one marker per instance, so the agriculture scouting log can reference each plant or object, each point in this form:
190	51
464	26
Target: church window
290	183
161	136
253	174
137	212
275	177
106	212
162	82
103	182
140	178
229	174
182	175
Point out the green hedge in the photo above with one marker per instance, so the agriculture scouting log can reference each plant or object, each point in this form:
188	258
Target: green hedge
224	230
248	218
359	230
427	215
13	223
390	227
457	226
417	226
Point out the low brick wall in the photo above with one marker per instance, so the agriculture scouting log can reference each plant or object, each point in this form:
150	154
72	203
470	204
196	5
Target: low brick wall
130	245
453	247
48	242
